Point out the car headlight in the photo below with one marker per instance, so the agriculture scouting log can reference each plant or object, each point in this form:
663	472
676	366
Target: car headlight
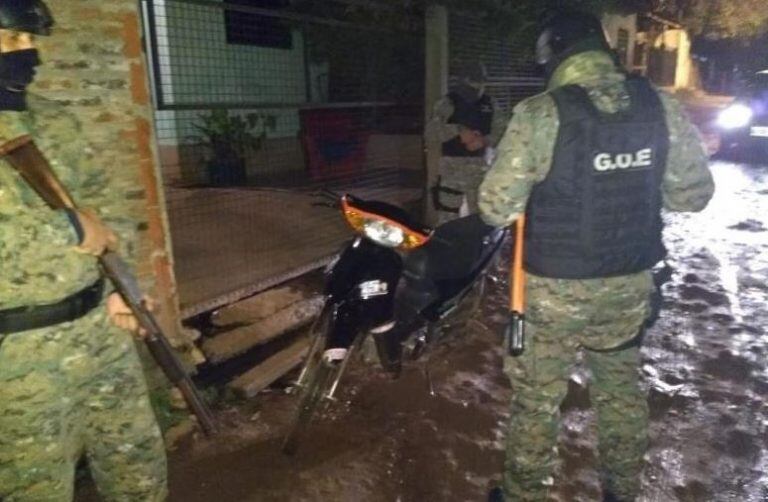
735	116
384	233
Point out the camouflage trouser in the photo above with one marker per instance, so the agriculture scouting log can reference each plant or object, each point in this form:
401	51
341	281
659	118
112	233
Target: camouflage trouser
459	174
74	389
564	317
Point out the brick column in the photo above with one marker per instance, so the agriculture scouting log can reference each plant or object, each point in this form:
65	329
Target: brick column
94	65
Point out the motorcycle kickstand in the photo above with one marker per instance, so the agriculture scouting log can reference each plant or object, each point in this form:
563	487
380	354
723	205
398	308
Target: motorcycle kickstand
428	378
343	367
313	349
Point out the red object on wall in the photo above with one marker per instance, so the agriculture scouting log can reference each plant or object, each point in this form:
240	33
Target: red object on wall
334	143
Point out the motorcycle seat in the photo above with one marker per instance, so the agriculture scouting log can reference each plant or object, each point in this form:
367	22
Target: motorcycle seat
454	251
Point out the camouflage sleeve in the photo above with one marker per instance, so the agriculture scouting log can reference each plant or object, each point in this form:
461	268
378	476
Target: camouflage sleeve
524	159
687	183
438	128
12	211
16	219
498	126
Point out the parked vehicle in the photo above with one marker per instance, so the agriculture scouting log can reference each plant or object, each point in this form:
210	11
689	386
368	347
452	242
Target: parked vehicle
395	278
744	124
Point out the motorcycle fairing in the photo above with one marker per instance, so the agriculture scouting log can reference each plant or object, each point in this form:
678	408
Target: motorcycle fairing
361	262
389	211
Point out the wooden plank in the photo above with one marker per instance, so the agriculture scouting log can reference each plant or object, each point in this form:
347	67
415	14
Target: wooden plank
257	307
259	377
232	343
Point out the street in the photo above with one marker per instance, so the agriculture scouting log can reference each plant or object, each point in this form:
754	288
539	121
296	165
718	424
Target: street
390	441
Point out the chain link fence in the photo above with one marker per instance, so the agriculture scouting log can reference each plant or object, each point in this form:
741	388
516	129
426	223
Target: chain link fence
512	73
260	104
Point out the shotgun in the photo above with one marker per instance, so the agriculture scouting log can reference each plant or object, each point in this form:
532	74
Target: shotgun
28	160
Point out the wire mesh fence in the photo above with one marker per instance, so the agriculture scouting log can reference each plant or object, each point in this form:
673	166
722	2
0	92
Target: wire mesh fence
512	73
259	104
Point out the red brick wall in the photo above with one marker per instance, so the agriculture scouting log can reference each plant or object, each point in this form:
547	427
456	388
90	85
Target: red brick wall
94	64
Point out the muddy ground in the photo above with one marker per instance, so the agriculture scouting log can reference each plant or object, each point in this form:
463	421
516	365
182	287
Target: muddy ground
705	368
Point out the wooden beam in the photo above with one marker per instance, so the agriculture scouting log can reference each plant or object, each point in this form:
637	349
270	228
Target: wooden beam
260	377
233	343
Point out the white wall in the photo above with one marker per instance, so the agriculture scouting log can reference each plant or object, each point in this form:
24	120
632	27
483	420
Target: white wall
684	74
678	39
199	66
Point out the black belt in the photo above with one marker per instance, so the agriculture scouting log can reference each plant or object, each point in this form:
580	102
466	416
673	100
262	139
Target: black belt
439	188
635	341
41	316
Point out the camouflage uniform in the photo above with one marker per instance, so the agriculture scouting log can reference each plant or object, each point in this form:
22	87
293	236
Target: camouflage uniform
461	174
75	388
567	316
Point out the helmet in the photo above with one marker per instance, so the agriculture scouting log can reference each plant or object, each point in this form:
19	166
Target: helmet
30	16
564	34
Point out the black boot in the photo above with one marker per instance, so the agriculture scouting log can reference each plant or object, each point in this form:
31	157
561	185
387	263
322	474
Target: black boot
609	496
390	351
496	495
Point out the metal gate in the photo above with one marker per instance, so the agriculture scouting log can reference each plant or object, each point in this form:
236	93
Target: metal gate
258	105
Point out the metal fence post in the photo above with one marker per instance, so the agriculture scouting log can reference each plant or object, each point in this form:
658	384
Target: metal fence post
436	85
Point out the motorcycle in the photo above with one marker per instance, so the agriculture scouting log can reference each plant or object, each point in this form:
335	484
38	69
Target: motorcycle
395	278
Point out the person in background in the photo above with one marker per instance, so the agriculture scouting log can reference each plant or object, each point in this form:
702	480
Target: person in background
467	124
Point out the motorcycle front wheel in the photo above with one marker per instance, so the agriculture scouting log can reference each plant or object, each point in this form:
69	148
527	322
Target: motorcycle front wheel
309	400
318	382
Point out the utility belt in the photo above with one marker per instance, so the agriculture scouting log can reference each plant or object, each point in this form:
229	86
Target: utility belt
635	341
661	276
69	309
437	190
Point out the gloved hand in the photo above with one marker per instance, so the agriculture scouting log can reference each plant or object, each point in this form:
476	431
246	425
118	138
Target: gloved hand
96	236
489	156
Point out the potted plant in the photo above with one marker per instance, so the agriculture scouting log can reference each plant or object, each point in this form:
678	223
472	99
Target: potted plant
230	138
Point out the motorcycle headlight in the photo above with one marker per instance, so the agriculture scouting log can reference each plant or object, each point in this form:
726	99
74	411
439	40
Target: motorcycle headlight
735	116
382	230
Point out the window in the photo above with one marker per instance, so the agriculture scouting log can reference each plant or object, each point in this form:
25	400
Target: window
622	46
247	28
640	55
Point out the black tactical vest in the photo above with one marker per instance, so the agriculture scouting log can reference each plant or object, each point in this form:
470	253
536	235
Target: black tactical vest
476	115
598	212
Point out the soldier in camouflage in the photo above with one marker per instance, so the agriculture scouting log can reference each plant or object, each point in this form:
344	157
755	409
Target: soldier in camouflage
467	124
591	162
71	383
